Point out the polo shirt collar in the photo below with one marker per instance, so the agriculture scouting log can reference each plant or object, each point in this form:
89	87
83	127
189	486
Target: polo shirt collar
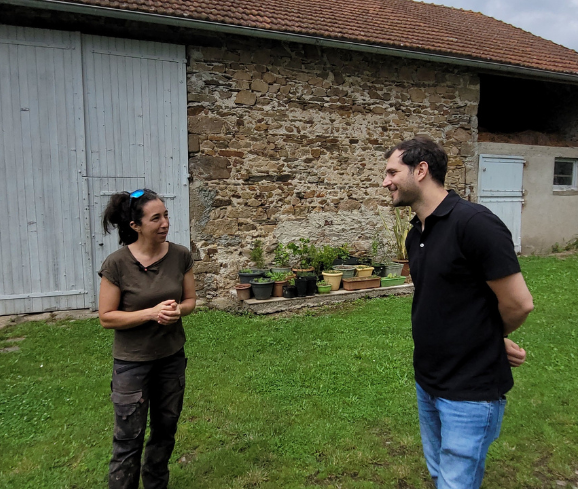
446	205
443	209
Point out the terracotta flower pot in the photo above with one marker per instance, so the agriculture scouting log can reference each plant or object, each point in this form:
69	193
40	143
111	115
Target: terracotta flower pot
243	291
278	288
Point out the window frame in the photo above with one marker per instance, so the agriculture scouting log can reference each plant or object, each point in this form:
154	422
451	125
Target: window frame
574	184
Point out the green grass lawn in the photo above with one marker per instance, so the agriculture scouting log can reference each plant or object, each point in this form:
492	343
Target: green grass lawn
324	399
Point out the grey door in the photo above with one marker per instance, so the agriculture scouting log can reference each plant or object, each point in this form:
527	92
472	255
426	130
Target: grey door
81	117
135	95
500	190
44	245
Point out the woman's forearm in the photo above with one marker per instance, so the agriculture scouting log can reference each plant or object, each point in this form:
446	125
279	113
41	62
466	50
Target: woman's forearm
124	319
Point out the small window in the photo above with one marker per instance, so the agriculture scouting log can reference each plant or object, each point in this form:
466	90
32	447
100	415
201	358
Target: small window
565	171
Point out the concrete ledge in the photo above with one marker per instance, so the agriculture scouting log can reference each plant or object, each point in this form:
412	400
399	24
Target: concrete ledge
280	304
47	316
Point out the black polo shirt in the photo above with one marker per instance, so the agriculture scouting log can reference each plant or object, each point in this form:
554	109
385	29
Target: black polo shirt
457	329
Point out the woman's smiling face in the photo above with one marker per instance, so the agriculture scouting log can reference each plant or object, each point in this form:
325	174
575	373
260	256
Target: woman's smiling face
154	223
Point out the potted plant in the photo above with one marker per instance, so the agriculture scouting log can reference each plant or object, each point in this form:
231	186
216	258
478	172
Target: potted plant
248	274
347	270
323	258
378	254
401	227
311	283
301	286
323	287
289	290
393	268
262	287
280	279
344	257
333	277
357	283
256	255
392	280
243	291
363	270
281	259
303	253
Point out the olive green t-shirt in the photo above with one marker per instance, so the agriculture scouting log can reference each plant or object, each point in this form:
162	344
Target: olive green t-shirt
142	288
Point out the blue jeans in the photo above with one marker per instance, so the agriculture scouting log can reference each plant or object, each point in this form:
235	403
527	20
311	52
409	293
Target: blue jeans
456	436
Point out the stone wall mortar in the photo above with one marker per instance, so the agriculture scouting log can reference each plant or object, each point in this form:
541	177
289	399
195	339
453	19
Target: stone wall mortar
288	141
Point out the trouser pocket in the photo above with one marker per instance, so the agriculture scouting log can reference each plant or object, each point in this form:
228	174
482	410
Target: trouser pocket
130	415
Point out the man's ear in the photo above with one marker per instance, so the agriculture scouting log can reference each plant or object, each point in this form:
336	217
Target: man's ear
134	226
421	170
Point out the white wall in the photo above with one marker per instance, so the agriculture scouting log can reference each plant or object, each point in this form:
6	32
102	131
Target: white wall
548	217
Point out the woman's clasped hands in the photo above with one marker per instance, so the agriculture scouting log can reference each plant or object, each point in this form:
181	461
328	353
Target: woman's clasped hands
166	312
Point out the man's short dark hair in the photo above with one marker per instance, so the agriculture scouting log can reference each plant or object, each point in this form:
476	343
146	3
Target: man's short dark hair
422	148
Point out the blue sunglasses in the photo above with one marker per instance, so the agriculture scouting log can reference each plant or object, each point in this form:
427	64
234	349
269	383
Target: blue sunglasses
135	195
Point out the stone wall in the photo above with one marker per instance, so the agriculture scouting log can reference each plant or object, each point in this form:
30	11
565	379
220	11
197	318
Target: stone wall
288	141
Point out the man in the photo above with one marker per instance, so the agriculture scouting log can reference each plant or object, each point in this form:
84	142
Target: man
469	295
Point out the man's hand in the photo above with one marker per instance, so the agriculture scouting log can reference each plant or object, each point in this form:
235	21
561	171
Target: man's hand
516	355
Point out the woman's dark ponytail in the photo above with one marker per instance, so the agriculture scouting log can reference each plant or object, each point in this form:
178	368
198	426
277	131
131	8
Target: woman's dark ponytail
122	210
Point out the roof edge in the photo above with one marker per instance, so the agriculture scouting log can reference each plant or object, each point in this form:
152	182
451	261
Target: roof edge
293	37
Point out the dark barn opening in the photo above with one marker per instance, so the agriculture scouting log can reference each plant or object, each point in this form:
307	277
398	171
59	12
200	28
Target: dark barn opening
524	111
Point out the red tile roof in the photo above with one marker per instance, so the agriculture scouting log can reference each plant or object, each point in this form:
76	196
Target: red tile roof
405	24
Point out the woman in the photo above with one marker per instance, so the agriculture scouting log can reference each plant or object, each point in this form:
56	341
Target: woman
146	287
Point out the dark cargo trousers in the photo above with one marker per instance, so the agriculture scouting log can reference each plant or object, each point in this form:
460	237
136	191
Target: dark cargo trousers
136	387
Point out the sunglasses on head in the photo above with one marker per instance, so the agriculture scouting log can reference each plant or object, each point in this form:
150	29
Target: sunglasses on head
135	195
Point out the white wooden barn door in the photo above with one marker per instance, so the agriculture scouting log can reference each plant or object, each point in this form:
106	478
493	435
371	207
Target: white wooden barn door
44	246
500	190
81	117
136	130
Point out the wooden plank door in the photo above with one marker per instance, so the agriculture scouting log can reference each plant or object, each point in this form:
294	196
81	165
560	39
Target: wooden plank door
501	191
44	251
135	95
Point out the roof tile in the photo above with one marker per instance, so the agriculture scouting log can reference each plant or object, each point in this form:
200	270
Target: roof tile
404	24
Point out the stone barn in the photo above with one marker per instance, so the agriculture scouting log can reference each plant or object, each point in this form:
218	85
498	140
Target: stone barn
265	120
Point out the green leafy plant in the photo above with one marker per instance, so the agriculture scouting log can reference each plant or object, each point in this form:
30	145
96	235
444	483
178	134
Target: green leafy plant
291	281
401	227
304	252
265	279
324	257
333	270
343	251
257	254
572	244
322	283
279	276
556	248
246	270
378	249
282	255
